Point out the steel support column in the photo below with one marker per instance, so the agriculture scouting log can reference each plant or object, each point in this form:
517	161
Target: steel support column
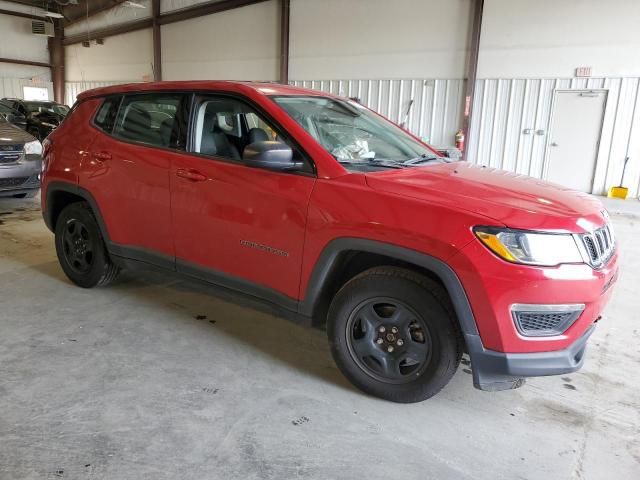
285	15
157	41
56	59
472	70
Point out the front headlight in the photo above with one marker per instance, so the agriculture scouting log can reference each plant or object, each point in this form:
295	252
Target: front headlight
33	148
530	248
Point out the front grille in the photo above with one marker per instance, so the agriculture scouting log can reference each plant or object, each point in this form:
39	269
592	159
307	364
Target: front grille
545	320
12	182
10	153
599	245
33	180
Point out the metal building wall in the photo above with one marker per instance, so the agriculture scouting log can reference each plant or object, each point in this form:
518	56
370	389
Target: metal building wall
12	87
504	108
73	89
435	114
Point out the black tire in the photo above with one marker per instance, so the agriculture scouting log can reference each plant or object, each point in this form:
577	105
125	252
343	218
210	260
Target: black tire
80	248
426	348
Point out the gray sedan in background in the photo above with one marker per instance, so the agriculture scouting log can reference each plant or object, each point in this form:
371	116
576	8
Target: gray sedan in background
20	162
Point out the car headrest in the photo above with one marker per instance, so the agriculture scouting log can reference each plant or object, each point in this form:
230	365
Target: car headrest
258	135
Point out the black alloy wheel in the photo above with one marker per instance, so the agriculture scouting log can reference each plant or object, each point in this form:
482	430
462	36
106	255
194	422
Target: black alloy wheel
81	248
77	246
394	335
388	340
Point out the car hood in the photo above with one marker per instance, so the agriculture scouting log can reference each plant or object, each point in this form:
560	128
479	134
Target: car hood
516	201
12	135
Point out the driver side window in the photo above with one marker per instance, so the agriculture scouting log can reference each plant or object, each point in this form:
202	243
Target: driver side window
225	126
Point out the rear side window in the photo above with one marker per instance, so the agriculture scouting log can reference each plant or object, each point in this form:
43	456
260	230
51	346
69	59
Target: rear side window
154	119
106	116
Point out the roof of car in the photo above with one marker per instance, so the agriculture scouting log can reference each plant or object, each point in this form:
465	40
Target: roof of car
265	88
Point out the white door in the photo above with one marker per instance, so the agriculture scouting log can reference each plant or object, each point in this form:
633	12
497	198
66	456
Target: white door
574	139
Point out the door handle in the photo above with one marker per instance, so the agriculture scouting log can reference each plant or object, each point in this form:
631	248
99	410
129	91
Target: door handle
192	175
102	156
554	144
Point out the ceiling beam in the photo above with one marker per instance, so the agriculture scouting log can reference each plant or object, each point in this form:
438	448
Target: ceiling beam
196	11
77	13
204	9
21	14
24	62
28	3
109	31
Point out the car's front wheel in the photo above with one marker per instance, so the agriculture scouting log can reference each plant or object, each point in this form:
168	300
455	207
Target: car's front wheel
393	335
81	249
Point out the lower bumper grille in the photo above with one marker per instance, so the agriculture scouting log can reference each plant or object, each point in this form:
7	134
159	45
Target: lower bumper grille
545	320
12	182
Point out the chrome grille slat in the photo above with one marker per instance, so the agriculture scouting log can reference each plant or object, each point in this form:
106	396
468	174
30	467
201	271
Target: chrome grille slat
10	154
599	245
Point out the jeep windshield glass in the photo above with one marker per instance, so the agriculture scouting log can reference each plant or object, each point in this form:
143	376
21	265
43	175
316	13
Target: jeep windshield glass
356	137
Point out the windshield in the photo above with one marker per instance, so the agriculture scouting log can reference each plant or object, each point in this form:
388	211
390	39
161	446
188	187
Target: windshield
6	110
356	137
36	107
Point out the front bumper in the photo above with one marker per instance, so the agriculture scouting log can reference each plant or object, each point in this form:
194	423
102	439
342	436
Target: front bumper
21	177
493	371
501	356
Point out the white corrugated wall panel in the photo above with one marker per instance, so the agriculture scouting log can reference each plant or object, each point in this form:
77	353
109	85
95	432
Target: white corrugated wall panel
13	87
435	113
505	108
73	89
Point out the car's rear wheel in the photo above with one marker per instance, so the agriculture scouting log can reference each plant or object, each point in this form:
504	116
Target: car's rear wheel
81	249
393	335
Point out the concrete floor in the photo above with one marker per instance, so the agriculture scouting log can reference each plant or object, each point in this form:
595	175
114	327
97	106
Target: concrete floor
156	378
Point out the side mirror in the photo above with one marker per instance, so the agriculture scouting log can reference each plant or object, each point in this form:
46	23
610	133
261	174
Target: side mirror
271	155
11	118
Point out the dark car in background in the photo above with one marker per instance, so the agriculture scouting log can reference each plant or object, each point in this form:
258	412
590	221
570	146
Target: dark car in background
20	162
41	117
12	116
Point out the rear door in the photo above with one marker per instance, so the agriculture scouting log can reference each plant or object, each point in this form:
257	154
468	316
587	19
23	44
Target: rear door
128	171
238	225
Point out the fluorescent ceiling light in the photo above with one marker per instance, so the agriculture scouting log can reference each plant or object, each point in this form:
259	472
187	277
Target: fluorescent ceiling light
129	3
53	15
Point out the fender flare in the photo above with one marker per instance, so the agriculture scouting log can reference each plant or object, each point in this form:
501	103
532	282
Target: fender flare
58	186
329	258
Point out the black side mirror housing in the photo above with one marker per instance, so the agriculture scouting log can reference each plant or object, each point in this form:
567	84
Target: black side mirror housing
270	155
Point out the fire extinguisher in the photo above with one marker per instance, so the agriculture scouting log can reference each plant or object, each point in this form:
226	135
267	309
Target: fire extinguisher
460	140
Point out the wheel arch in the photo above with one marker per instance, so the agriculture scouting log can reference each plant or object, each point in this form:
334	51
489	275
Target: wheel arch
337	255
61	194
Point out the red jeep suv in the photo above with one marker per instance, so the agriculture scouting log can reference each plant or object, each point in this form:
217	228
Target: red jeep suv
317	205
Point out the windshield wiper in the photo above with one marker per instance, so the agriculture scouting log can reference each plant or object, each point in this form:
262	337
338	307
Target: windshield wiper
424	158
373	161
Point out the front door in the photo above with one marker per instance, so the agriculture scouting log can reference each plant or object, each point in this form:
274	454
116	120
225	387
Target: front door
575	136
237	225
